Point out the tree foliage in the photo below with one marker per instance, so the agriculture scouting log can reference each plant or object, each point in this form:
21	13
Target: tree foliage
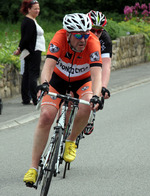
55	10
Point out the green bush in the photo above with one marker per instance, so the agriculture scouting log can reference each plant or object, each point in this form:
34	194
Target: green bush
1	70
114	16
113	28
6	53
118	29
136	27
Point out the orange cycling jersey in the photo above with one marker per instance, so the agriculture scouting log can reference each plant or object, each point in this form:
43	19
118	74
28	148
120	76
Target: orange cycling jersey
73	66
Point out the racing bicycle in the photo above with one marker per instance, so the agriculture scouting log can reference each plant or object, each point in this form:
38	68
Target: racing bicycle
52	156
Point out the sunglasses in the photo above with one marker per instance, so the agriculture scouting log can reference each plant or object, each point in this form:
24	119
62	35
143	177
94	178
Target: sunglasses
98	31
33	2
79	36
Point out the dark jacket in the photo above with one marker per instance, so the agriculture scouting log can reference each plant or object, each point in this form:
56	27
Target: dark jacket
28	35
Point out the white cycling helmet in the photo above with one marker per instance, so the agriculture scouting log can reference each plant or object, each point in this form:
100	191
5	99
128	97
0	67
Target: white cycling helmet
77	22
98	19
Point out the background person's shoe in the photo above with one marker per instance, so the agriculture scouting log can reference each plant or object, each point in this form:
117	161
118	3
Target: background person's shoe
26	103
70	151
30	176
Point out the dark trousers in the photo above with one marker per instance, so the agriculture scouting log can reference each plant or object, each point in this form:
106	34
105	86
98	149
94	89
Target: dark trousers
30	76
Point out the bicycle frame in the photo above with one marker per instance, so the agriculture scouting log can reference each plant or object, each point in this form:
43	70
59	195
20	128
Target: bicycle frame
65	131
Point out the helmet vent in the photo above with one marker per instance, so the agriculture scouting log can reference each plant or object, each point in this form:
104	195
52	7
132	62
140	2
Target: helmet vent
77	22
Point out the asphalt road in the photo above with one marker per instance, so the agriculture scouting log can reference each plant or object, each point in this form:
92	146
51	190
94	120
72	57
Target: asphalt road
113	161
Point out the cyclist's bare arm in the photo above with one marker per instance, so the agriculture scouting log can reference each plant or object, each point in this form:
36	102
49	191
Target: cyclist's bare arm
96	76
47	71
106	74
106	71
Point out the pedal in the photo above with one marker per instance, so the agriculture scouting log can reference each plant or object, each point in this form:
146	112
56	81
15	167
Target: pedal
88	129
28	184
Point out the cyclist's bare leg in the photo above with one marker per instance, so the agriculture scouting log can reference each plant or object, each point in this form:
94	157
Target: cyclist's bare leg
47	116
81	118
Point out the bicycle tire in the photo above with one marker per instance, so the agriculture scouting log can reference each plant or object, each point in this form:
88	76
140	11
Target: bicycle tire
68	129
40	175
51	164
66	134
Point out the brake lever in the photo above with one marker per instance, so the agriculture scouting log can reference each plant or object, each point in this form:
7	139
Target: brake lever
39	100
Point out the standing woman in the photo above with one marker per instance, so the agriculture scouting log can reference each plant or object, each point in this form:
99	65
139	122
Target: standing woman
31	45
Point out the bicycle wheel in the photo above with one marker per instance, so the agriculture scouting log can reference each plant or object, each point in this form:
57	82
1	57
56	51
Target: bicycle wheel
50	170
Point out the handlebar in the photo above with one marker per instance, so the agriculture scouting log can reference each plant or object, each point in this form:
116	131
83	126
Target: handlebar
69	98
64	97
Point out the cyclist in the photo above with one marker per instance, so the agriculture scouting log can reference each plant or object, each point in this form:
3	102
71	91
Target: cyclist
73	61
98	22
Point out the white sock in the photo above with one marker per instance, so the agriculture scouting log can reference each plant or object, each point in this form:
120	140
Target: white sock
70	141
34	168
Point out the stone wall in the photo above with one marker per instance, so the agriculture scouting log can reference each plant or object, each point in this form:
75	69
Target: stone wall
10	82
127	51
